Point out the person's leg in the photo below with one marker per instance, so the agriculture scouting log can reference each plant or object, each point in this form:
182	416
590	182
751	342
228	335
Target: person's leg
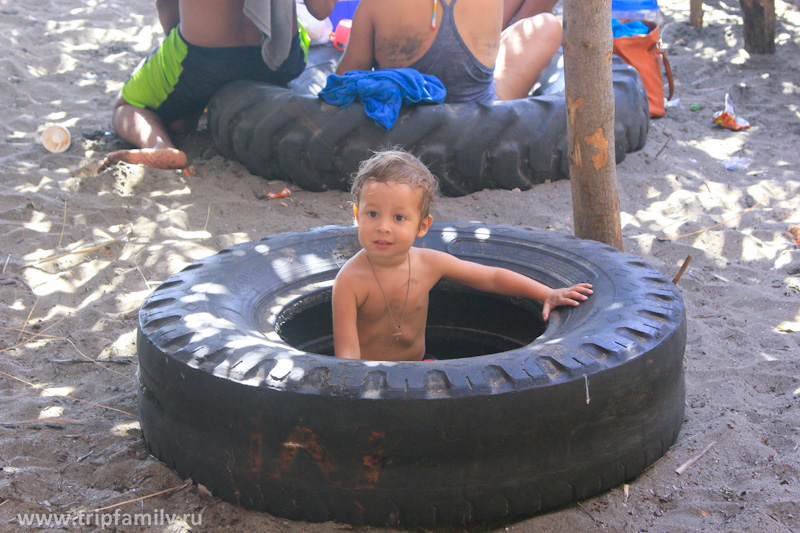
203	71
151	84
526	48
145	130
514	10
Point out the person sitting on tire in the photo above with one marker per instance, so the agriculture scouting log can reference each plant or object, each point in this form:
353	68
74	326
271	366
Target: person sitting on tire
462	43
380	296
208	44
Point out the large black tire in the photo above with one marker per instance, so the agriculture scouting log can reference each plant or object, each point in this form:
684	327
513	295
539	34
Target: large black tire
233	394
291	134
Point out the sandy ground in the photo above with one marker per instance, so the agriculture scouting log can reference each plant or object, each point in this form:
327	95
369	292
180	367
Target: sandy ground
69	438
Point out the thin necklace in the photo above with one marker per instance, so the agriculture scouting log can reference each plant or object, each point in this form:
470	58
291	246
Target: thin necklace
397	334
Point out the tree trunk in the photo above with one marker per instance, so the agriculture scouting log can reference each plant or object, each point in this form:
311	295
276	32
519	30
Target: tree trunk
590	120
759	26
696	13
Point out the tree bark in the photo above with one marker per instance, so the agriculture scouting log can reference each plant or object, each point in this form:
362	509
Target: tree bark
590	120
759	26
696	13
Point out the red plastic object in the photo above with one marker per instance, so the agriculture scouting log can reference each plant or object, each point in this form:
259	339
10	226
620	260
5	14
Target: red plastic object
341	36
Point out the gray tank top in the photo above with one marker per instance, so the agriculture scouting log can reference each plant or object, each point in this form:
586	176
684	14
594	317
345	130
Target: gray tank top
465	78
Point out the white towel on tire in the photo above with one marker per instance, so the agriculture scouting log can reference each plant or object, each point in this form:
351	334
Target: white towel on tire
274	19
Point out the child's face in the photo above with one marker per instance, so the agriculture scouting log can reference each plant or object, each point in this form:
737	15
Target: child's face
388	218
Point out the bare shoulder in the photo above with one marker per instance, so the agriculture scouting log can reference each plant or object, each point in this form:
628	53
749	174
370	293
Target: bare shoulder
366	9
433	262
352	269
428	255
350	278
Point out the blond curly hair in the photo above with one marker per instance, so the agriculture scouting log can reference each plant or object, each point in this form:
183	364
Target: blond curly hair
395	165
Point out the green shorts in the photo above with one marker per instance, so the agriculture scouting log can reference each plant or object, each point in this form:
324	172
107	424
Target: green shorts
178	78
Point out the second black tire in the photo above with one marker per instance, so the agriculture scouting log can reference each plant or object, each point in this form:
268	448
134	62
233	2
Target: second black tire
289	134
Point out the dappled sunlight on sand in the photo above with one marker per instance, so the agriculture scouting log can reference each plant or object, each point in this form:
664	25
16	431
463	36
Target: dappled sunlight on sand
718	150
57	391
51	412
122	430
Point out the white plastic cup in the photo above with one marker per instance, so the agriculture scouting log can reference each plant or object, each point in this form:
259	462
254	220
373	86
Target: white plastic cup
650	15
624	10
56	138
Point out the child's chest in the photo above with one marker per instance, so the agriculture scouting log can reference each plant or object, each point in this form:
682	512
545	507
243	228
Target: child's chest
407	298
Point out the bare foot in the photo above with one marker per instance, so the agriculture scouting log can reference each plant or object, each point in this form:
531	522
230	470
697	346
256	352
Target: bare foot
157	158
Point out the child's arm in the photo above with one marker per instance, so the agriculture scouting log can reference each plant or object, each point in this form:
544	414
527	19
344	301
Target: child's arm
507	282
345	325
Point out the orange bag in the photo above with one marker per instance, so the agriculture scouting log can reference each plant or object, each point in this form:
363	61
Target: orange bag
644	53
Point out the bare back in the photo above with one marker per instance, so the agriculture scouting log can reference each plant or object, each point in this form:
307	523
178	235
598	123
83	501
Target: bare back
218	24
401	32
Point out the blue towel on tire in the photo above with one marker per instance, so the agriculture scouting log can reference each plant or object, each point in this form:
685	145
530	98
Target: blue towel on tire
383	92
